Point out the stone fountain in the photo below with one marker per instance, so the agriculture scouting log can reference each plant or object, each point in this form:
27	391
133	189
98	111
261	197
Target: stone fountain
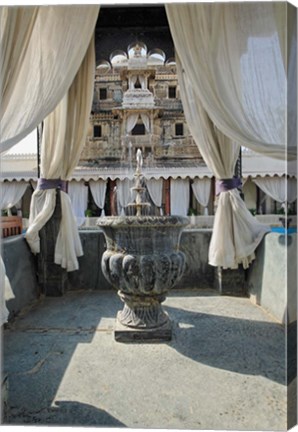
143	262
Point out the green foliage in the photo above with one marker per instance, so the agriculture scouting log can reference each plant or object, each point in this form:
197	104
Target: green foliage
192	212
88	213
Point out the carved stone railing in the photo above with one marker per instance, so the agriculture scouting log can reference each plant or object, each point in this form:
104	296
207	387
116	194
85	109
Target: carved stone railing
178	148
140	141
105	105
169	104
100	149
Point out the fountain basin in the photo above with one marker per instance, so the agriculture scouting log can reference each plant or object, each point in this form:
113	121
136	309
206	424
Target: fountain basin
143	263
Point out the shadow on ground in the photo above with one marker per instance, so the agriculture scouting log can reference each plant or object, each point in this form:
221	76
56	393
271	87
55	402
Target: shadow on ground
38	347
238	345
67	413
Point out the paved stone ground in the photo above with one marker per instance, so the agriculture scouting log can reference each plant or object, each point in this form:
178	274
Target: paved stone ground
223	370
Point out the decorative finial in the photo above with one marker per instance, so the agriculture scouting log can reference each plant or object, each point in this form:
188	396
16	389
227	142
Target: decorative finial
137	50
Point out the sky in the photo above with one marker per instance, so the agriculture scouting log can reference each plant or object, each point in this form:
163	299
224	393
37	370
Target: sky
26	145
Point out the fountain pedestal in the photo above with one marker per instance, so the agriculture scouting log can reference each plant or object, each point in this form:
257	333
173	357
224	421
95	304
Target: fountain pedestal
143	262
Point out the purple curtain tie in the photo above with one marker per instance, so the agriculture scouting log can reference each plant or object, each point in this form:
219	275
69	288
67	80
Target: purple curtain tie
44	184
225	185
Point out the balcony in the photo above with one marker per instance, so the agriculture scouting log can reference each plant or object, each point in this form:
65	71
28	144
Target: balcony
140	141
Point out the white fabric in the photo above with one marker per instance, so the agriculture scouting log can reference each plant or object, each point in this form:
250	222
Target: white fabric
146	120
124	194
292	75
11	193
40	56
131	121
41	210
231	53
201	189
33	184
98	189
5	285
142	81
179	197
64	136
78	194
154	187
132	81
236	234
280	189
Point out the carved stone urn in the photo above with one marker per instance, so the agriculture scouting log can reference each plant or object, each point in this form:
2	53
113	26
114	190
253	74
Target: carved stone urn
143	262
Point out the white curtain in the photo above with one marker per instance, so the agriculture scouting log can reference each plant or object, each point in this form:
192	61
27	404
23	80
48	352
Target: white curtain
232	87
11	193
63	138
154	187
179	196
201	189
131	121
5	286
124	194
132	81
98	189
40	56
236	233
280	189
233	55
142	81
78	194
146	120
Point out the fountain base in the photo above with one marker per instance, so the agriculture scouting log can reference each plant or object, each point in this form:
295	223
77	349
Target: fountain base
123	333
142	319
143	262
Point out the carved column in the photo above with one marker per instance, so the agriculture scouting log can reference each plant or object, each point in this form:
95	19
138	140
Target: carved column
51	277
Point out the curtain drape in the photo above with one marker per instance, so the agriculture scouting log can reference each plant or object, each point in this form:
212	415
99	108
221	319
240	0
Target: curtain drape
231	53
201	189
40	56
11	193
132	81
233	90
132	120
146	120
78	194
124	194
179	196
63	138
154	187
280	189
98	189
5	286
236	233
142	81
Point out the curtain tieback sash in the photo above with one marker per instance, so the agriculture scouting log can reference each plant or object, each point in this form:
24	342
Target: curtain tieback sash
224	185
44	184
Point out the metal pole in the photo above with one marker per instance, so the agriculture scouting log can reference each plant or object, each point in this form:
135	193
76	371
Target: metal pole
39	137
238	171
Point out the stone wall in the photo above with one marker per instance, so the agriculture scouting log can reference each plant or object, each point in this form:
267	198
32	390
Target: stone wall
271	281
21	271
198	274
272	278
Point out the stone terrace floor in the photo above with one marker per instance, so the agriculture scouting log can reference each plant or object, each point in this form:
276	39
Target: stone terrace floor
223	370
